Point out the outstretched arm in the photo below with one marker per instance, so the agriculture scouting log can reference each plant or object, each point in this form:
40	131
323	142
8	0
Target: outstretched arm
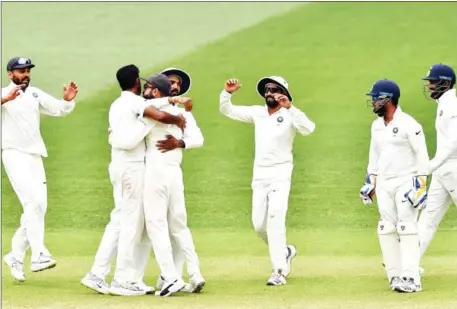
58	108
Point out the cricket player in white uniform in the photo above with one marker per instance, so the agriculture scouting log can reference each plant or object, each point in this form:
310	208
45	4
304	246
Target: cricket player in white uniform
22	151
397	169
164	200
126	173
276	125
443	187
180	85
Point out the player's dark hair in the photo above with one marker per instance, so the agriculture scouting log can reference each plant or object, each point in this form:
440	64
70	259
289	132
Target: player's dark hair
127	76
395	101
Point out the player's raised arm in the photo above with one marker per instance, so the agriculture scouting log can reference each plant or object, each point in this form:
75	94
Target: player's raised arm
240	113
55	107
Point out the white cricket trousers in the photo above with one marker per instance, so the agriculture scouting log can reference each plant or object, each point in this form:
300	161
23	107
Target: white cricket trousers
28	179
165	215
108	247
133	248
270	200
397	228
441	194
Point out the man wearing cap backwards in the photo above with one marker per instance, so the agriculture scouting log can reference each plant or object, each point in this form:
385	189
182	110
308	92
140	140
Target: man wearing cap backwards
180	85
275	127
22	151
397	169
126	170
164	201
443	187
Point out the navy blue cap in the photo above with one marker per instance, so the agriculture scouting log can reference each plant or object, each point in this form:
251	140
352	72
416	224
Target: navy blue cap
385	88
441	72
19	63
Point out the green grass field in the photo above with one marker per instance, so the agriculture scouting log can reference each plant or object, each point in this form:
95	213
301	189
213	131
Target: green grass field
330	53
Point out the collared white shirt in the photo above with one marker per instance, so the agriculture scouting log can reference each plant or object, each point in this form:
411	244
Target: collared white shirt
446	129
274	134
398	148
128	126
21	118
192	137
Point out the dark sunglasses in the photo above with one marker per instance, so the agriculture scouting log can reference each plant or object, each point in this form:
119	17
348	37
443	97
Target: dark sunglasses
273	90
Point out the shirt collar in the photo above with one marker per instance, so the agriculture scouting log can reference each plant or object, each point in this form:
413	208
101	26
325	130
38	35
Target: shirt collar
447	95
128	94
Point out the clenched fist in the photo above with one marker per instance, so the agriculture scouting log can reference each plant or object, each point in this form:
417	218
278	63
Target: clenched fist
232	85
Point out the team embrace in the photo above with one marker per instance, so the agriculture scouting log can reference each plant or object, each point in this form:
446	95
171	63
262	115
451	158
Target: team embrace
152	126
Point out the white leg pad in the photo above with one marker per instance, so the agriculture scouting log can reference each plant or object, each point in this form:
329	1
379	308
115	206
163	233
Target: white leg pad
410	249
388	240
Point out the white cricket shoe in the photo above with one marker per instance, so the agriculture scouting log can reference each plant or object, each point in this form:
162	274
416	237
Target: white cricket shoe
148	289
42	263
291	254
160	282
277	278
17	267
95	283
195	284
125	289
170	287
395	283
409	286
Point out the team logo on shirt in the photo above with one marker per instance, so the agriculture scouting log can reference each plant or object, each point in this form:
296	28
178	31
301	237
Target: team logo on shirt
441	113
35	95
280	119
395	130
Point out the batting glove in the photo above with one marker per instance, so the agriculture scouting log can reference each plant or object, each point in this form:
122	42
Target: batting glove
368	190
417	196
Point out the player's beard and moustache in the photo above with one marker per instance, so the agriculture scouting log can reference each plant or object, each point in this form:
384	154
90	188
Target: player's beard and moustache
174	92
271	102
24	81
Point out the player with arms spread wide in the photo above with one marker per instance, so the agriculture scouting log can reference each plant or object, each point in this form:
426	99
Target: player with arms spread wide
23	150
276	124
397	169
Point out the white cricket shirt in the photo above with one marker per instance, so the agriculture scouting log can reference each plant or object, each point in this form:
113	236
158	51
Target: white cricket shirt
128	126
21	118
398	148
192	137
446	129
274	135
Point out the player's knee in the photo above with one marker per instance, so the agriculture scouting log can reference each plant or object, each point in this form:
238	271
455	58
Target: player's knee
386	228
32	209
407	228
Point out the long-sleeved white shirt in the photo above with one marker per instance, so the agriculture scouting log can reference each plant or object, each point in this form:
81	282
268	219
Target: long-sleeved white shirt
446	129
398	148
128	126
274	135
192	137
21	118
